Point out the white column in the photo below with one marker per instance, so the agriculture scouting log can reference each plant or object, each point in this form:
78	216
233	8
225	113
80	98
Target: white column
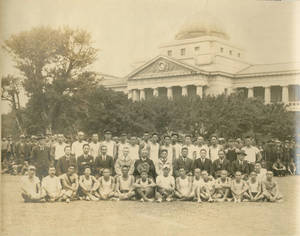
135	95
285	94
130	94
267	95
170	92
184	91
142	94
250	92
199	91
155	92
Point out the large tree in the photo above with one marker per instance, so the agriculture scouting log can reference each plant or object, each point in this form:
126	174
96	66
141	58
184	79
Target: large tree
54	64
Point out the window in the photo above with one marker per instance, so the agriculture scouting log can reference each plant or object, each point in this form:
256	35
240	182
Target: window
197	49
182	51
169	53
230	52
221	49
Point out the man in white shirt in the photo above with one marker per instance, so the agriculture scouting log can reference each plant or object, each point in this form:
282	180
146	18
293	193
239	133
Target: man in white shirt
110	144
252	153
200	144
51	186
192	152
30	186
170	149
77	146
154	148
94	146
177	146
59	147
165	185
134	149
214	148
123	143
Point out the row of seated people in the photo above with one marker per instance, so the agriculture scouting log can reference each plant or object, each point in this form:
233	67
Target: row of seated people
199	187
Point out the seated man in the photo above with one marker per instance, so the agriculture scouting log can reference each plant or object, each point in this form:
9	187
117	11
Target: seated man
291	166
261	172
88	185
183	186
124	159
197	183
270	188
254	188
239	188
107	184
222	186
69	184
144	187
51	186
30	186
279	168
241	165
207	188
125	185
165	185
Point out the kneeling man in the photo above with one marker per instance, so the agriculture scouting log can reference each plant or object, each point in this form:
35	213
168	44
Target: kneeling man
183	186
69	184
165	185
89	185
125	185
30	186
144	187
106	185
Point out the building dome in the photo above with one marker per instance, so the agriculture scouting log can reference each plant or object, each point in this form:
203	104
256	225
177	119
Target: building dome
201	24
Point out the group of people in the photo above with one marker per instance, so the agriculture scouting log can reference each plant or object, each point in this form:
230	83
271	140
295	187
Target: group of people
148	169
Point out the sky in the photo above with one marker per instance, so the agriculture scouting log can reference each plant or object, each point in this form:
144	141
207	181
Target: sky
127	31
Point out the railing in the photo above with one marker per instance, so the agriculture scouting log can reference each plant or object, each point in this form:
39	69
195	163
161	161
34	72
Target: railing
294	106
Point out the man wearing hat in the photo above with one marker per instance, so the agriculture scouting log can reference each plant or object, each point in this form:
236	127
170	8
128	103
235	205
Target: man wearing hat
240	164
110	144
77	146
30	186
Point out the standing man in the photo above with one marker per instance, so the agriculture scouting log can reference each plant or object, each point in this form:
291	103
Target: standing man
231	155
167	145
183	162
41	158
94	146
104	161
65	161
4	146
252	153
110	144
154	148
22	151
58	148
200	144
134	149
77	146
176	146
192	152
85	160
123	143
214	148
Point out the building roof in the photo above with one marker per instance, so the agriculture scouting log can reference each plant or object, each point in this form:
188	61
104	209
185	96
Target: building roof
201	24
271	68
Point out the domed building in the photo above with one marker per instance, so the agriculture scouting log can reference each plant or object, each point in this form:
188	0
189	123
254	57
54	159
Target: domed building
200	61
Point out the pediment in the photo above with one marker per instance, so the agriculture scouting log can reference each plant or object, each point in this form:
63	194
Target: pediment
162	67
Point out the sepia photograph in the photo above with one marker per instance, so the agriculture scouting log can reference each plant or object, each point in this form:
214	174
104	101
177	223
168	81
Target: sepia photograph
150	117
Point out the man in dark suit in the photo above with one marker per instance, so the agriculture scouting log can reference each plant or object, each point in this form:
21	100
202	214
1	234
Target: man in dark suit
41	158
203	163
103	161
240	164
144	164
220	164
183	162
65	162
85	160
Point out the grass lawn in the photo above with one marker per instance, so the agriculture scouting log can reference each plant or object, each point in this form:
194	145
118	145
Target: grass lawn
136	218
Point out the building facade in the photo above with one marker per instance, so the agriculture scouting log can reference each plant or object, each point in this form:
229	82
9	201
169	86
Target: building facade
202	61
